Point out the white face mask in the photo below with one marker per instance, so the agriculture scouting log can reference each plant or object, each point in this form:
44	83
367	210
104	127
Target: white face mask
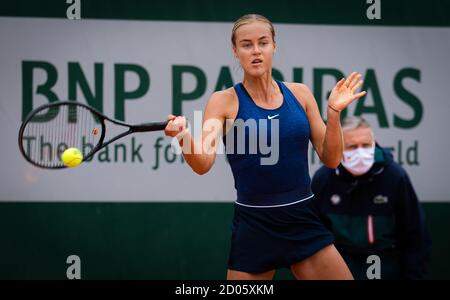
359	161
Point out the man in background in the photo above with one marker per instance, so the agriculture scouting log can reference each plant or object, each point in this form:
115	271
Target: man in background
370	205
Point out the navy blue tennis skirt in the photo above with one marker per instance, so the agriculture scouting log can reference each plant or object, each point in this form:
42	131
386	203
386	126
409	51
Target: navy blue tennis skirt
264	239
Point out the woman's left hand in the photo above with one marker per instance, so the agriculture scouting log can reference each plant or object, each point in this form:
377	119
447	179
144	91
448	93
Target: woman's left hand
344	92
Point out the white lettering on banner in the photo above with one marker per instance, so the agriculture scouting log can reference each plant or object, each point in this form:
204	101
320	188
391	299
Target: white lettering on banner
74	269
136	71
74	11
374	10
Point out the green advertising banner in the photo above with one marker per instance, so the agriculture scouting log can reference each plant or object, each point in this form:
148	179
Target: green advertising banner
138	71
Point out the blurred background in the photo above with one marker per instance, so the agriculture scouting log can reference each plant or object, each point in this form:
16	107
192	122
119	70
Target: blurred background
137	211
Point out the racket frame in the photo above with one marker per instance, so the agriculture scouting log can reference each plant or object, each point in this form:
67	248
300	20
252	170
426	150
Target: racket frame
144	127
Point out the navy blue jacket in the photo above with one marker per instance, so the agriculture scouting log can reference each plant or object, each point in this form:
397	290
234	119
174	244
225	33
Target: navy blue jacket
376	213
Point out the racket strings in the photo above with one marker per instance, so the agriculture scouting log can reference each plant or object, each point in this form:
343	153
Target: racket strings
53	130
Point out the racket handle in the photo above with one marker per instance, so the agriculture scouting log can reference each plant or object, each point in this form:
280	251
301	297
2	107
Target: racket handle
154	126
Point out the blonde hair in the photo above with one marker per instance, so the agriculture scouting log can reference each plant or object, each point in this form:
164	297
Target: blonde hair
354	122
247	19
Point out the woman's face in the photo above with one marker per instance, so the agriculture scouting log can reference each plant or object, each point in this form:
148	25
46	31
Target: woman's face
254	48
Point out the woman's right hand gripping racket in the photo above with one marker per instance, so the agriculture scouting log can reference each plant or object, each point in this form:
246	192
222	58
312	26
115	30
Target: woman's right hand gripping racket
52	128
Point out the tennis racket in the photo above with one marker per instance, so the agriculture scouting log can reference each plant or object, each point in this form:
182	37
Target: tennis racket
52	128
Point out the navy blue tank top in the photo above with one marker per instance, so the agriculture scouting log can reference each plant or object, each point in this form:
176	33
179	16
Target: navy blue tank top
276	184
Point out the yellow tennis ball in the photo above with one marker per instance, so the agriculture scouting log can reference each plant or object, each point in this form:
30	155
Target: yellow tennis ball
72	157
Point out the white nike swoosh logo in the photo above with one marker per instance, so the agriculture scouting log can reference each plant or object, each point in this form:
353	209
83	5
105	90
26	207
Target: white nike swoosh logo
271	117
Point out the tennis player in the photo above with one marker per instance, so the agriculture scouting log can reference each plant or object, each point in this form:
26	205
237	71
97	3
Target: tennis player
273	225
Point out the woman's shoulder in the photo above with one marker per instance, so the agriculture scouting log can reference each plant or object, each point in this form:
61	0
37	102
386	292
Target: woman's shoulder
297	87
226	93
223	97
224	101
301	91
